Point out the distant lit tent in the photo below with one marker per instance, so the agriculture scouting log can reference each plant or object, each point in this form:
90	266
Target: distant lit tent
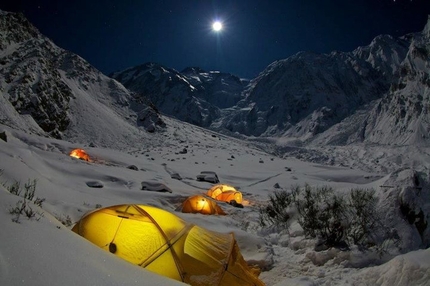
201	204
230	196
165	244
80	154
217	189
225	193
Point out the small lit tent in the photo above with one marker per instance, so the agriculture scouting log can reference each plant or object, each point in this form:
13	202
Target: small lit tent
229	196
201	204
80	154
225	193
165	244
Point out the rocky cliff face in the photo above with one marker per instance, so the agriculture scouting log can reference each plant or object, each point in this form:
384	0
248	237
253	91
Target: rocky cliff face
47	89
29	76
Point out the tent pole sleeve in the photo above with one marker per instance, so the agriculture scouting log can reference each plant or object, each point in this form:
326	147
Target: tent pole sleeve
175	256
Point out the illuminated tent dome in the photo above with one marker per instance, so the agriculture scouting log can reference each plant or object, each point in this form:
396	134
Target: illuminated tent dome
165	244
229	196
201	204
225	193
217	189
80	154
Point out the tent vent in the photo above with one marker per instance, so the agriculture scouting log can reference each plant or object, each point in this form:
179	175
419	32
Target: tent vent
112	247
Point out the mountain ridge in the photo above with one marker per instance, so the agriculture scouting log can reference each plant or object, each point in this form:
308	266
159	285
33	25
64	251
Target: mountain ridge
308	94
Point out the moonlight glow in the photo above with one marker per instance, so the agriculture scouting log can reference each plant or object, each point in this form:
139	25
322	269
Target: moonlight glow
217	26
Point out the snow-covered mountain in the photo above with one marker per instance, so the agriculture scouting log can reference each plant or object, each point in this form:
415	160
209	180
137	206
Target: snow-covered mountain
306	94
401	116
169	91
220	89
376	94
48	90
193	95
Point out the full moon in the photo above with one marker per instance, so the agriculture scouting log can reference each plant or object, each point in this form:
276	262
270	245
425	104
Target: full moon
217	26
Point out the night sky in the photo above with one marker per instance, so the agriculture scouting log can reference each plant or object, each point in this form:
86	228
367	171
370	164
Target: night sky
114	35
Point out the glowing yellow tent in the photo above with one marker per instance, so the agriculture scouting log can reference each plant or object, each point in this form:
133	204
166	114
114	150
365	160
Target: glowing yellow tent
201	204
225	193
165	244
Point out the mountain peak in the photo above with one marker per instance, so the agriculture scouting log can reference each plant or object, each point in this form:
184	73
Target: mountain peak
193	70
426	30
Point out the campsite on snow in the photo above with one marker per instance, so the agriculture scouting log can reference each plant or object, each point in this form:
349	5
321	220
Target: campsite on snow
100	185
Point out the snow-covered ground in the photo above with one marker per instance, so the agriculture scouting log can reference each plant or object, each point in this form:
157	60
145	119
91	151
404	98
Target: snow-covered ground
43	251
